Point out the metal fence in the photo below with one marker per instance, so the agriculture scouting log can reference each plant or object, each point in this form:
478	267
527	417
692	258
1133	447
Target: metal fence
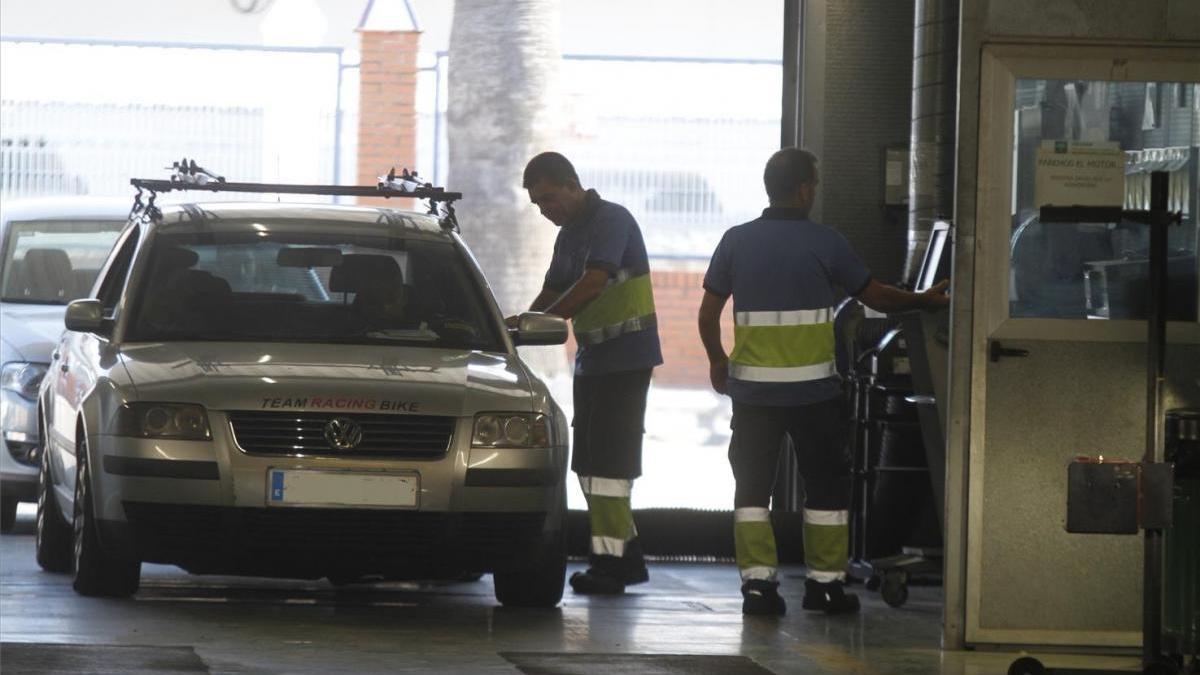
78	148
83	117
686	162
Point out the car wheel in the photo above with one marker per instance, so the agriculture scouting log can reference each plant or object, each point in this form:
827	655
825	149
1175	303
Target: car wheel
540	585
8	513
97	572
52	537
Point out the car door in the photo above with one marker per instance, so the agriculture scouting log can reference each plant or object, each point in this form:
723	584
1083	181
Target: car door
78	360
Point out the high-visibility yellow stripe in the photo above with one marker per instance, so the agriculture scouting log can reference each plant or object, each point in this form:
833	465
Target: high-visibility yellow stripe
625	306
826	547
783	346
754	545
610	517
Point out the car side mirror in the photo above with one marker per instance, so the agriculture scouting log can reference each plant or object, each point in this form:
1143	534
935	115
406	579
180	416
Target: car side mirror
85	316
535	328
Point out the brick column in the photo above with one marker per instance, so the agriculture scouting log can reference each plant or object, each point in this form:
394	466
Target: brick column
387	110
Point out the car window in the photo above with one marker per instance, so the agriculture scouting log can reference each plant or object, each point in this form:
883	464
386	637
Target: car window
307	282
54	261
113	283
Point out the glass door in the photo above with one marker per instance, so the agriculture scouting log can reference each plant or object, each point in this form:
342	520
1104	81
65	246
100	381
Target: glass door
1067	302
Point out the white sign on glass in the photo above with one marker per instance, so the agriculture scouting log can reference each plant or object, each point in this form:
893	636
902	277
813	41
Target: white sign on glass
1074	173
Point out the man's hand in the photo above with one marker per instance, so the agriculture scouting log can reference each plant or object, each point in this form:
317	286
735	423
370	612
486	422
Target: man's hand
888	299
718	374
935	297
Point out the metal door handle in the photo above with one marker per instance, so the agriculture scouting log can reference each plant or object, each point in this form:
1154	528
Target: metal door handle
996	351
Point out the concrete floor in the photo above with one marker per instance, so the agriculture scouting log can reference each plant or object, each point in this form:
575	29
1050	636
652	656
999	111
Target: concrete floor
238	625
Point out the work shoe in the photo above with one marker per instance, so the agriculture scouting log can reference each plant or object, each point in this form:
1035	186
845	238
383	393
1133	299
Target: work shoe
830	598
761	597
629	569
596	582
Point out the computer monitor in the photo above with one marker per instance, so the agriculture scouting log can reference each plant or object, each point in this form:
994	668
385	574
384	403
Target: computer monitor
936	265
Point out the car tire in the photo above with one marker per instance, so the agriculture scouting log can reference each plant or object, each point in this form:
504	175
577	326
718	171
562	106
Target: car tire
8	513
540	585
52	536
97	571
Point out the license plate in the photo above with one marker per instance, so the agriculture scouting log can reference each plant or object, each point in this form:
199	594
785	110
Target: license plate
309	487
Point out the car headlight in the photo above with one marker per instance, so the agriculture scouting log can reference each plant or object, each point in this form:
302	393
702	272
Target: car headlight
23	378
179	421
510	430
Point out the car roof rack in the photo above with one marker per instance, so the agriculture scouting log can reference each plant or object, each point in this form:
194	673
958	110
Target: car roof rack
187	175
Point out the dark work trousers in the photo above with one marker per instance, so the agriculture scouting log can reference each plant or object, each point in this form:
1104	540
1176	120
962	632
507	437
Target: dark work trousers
610	411
818	432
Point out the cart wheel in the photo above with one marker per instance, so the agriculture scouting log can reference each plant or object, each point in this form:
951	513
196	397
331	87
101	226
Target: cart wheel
895	589
873	582
1027	665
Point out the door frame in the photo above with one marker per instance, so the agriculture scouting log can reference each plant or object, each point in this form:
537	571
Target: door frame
1001	66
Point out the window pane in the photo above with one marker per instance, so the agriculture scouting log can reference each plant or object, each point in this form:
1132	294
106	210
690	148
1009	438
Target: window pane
299	282
55	261
1100	270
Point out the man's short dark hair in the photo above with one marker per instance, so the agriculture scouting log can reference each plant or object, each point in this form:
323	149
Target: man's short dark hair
787	169
551	167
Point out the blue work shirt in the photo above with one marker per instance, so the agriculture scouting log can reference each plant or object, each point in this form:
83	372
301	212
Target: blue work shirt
781	262
606	237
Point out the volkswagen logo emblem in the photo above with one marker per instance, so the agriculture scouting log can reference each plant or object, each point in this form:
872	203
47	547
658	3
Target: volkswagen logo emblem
343	433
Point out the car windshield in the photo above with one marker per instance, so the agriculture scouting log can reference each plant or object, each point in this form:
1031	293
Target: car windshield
53	262
307	282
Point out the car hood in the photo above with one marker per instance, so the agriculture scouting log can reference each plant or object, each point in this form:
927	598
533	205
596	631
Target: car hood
32	330
328	378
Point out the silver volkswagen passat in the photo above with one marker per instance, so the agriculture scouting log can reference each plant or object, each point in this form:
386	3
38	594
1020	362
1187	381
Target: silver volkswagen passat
299	391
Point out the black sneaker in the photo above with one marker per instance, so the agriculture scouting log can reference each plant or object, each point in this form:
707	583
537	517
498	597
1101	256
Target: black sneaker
830	598
761	597
596	582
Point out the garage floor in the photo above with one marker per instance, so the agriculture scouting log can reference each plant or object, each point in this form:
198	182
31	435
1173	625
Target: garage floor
182	623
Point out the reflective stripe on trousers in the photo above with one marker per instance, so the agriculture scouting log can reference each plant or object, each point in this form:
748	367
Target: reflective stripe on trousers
610	513
826	544
625	306
783	346
754	543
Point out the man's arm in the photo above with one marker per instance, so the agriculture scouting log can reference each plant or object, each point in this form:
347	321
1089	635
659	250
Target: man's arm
544	300
709	321
540	303
889	299
587	288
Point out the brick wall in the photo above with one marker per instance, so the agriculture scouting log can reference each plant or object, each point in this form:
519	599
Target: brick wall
677	297
387	119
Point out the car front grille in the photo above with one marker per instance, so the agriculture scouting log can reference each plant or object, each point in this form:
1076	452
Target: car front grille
303	433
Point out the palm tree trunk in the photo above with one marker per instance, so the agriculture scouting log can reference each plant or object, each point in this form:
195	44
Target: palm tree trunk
503	109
